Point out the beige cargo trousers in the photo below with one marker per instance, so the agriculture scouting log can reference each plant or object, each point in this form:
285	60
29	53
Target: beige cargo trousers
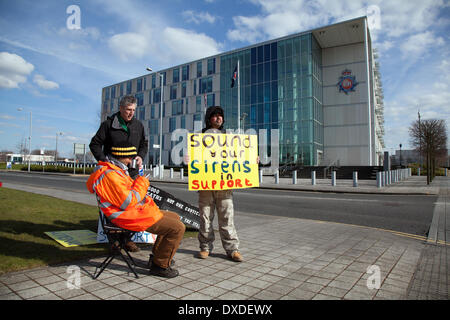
222	201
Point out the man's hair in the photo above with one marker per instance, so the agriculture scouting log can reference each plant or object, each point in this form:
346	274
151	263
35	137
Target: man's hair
127	101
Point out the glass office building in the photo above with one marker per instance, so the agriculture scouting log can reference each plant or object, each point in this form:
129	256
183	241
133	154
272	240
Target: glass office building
320	89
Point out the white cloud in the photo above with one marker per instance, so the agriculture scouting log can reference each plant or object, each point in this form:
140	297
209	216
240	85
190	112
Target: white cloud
186	45
197	18
13	70
418	44
282	17
129	45
45	84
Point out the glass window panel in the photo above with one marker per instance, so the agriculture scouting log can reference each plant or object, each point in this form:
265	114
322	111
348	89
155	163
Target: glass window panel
267	71
260	72
274	70
260	55
267	52
176	75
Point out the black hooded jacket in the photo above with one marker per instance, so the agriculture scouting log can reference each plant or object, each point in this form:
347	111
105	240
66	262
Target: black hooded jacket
209	113
111	134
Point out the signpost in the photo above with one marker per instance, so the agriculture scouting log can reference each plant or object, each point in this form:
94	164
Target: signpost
79	148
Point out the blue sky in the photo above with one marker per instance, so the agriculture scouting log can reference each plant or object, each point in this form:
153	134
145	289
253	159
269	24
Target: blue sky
57	72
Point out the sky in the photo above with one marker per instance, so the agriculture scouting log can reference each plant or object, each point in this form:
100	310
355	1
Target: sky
57	55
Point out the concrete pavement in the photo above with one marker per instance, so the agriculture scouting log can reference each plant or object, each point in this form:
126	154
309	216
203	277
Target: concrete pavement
285	258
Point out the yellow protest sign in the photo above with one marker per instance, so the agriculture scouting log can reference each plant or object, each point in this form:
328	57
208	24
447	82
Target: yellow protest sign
72	238
219	161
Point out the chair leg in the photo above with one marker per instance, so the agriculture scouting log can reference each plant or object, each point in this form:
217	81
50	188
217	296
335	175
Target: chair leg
129	265
103	266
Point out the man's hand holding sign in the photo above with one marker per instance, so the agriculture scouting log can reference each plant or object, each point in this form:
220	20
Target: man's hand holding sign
222	161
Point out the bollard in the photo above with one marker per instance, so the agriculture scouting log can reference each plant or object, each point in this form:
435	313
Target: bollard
277	177
383	178
260	175
294	177
379	179
446	172
418	172
313	178
333	178
355	178
171	173
182	173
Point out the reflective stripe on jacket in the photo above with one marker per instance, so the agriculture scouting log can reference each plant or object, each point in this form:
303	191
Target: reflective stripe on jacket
122	199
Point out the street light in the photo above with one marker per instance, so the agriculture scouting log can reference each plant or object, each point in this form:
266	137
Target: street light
29	138
400	155
160	119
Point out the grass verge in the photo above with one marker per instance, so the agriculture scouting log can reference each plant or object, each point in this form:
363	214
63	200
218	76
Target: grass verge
24	217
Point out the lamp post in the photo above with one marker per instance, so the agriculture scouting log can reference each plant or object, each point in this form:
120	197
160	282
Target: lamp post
29	138
56	148
400	145
160	120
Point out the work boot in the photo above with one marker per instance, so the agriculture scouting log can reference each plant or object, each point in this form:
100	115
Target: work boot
150	262
236	256
203	254
163	272
132	247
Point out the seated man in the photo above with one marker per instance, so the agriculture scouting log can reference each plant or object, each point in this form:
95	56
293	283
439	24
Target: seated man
124	202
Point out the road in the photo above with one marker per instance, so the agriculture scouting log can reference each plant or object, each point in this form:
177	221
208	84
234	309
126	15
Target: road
404	213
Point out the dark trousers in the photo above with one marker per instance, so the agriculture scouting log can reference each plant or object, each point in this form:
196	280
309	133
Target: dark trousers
169	230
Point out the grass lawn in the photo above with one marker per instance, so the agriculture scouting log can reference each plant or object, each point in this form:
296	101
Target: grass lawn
24	217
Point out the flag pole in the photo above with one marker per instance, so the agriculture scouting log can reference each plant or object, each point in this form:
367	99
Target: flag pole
239	98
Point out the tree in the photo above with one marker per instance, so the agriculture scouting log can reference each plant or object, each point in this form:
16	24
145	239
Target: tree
429	137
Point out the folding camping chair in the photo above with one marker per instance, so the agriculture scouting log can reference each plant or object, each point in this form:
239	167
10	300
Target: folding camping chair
117	238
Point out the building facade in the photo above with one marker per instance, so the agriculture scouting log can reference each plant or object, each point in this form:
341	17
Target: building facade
321	89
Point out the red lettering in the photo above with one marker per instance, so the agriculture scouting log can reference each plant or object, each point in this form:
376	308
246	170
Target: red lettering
213	184
230	183
238	182
247	183
204	187
222	183
195	185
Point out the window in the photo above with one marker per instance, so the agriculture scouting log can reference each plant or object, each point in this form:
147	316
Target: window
206	85
183	89
199	69
198	103
128	87
157	95
121	89
176	75
172	124
197	117
107	93
113	92
210	99
185	73
138	85
154	81
152	112
153	126
211	66
140	99
177	107
183	122
173	92
141	113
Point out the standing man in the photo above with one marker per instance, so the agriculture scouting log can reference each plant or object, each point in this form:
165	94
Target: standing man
121	128
222	201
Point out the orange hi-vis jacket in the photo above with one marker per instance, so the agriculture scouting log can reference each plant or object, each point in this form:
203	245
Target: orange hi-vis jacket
123	200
